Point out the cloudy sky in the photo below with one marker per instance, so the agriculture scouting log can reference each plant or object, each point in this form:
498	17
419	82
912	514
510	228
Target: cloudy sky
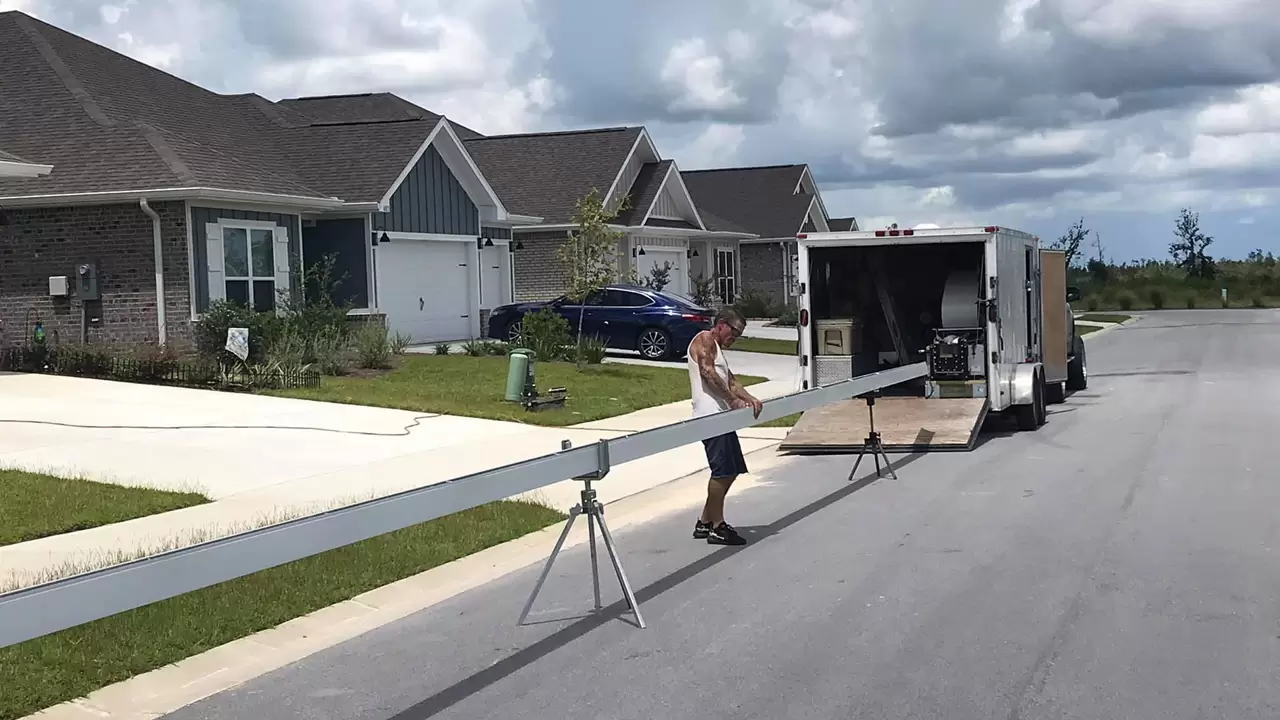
1026	113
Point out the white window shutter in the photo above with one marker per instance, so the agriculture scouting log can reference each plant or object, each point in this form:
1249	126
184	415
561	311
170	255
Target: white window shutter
281	255
215	260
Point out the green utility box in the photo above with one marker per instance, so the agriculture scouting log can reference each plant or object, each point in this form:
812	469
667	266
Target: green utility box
519	373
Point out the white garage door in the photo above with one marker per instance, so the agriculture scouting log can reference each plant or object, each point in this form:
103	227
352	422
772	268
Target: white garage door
423	289
677	279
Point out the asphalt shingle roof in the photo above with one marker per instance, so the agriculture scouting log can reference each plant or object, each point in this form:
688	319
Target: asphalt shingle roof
107	122
546	174
367	107
9	157
759	200
643	192
842	224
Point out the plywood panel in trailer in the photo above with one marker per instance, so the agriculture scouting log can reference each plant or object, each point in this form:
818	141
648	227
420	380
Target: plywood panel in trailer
1053	299
905	424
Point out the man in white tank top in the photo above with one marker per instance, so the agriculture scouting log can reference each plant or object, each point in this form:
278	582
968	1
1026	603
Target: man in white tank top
713	389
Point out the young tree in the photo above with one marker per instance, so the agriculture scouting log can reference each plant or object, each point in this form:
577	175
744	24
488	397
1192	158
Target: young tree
1189	249
590	255
1070	242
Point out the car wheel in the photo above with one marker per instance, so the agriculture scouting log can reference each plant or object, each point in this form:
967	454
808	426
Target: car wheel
514	332
654	344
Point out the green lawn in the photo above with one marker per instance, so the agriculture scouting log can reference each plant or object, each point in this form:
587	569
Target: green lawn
70	664
33	506
475	386
1103	317
786	421
765	345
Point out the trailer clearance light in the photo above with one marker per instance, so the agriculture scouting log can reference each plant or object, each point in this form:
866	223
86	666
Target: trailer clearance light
804	318
908	233
991	228
893	233
879	233
801	236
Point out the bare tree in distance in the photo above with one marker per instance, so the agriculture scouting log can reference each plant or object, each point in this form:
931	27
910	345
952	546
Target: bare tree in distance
1189	248
1070	242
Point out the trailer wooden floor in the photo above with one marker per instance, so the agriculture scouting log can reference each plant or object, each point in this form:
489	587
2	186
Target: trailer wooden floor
905	424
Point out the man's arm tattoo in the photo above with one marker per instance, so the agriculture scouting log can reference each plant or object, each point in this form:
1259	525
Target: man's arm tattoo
707	369
736	388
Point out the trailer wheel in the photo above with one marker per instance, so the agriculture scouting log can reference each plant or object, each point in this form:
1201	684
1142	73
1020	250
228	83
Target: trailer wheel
1034	414
1078	368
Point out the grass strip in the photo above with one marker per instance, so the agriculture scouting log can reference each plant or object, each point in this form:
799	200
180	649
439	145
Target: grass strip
72	663
34	506
475	387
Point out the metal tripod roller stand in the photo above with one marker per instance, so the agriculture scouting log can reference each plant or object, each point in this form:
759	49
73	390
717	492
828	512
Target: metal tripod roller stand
594	510
872	443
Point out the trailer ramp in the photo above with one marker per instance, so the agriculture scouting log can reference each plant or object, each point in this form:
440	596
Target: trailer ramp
905	424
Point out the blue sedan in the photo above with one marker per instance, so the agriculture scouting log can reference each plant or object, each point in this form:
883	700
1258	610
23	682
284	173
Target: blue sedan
659	325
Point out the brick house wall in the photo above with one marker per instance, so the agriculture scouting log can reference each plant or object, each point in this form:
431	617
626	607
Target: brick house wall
539	274
762	266
42	242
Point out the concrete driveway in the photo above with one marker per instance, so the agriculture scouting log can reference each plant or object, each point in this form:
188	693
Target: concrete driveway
1117	563
221	444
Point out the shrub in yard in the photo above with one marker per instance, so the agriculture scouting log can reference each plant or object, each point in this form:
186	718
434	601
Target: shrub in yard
400	343
475	348
328	349
1125	301
150	363
289	350
497	349
1157	298
546	333
1092	303
788	317
373	347
1191	301
442	348
593	350
704	290
211	332
753	304
1258	302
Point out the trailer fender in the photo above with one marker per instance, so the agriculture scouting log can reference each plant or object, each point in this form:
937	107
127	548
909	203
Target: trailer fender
1025	377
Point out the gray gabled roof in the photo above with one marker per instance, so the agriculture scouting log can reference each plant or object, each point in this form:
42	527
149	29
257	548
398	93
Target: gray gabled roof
367	107
9	157
644	190
842	224
758	200
546	174
108	123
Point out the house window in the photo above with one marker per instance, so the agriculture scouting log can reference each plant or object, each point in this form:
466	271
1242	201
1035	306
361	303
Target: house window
248	263
249	259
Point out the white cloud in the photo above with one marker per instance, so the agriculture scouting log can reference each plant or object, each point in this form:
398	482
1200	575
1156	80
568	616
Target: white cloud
1255	109
696	77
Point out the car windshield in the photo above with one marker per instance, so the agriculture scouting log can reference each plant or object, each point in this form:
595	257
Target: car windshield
678	299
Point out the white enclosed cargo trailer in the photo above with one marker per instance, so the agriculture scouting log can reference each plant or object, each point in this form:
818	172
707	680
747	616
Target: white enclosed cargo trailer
968	301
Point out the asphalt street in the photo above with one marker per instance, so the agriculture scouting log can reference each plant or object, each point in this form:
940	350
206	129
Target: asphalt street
1121	562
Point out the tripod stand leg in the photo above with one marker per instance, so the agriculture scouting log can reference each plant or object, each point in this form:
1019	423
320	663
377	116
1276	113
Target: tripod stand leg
595	563
617	567
887	465
856	463
546	569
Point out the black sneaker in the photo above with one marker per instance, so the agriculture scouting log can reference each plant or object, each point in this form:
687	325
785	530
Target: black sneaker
724	534
701	530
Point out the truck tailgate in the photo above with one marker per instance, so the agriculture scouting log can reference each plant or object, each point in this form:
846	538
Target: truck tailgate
905	424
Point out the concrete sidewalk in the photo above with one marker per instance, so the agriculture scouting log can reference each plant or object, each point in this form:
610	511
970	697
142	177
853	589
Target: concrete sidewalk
254	504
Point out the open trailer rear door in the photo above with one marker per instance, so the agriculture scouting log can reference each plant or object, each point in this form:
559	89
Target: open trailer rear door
905	424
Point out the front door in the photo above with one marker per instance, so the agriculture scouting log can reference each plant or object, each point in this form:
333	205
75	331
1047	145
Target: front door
726	280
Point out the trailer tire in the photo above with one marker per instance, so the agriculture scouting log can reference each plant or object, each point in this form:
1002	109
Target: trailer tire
1034	414
1055	393
1078	368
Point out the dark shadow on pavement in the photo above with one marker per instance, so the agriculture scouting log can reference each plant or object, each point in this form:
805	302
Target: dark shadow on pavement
511	664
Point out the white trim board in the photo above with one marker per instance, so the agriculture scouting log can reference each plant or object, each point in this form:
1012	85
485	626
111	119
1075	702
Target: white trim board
454	155
156	194
11	169
435	237
653	149
690	206
816	192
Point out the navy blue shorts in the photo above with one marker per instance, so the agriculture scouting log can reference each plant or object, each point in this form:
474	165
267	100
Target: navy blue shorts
724	456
